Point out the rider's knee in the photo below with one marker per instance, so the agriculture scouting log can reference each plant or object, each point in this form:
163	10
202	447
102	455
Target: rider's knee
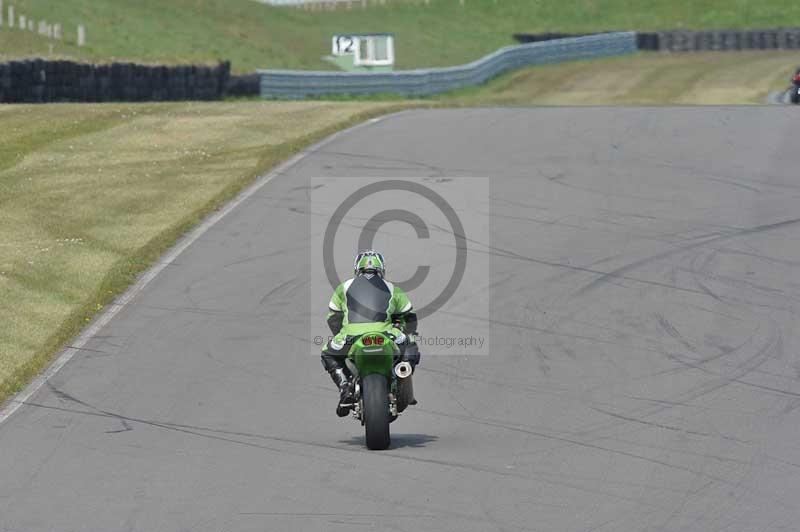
330	362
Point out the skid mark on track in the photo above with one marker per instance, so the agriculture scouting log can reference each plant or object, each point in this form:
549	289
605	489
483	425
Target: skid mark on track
771	497
544	365
683	430
292	284
670	329
623	270
262	256
716	381
228	436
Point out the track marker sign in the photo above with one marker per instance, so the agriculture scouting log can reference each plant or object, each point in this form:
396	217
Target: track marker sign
343	45
367	49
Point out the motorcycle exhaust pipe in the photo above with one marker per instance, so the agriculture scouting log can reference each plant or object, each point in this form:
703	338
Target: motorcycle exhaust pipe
403	370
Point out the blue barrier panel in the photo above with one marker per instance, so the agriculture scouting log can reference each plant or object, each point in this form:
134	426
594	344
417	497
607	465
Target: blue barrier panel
297	84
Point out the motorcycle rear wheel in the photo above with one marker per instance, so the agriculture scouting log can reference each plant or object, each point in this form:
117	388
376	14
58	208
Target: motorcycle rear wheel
375	397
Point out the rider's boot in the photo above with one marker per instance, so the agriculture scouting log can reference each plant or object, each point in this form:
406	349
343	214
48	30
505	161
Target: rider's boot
342	381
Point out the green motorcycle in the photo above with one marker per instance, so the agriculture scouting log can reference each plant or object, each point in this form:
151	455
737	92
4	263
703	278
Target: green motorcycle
382	385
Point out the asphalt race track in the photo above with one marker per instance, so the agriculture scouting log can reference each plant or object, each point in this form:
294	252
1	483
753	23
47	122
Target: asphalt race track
643	374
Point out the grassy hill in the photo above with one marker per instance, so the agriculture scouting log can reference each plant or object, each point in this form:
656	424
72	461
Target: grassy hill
641	79
253	35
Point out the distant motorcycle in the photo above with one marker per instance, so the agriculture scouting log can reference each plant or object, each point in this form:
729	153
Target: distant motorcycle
382	385
794	91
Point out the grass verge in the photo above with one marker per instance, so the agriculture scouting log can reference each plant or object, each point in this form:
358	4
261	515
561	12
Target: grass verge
714	78
91	195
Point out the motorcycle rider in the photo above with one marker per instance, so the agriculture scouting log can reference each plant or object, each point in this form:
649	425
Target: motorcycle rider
367	303
794	91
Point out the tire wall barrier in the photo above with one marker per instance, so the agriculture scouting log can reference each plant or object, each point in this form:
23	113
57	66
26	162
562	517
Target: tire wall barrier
41	81
244	85
720	40
699	41
302	84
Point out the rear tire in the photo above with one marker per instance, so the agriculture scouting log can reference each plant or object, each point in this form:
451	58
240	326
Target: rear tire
375	395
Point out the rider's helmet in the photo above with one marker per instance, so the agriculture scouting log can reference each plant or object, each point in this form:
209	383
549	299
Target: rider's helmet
369	261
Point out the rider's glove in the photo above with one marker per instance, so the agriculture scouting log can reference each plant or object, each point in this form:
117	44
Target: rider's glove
400	339
337	345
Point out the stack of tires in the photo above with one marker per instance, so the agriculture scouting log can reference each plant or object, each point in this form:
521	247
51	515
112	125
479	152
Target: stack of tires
40	81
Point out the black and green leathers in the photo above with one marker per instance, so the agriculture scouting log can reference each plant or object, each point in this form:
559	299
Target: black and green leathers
366	303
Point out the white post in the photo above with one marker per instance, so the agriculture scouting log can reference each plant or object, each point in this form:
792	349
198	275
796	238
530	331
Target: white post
57	31
81	35
11	16
23	23
50	31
